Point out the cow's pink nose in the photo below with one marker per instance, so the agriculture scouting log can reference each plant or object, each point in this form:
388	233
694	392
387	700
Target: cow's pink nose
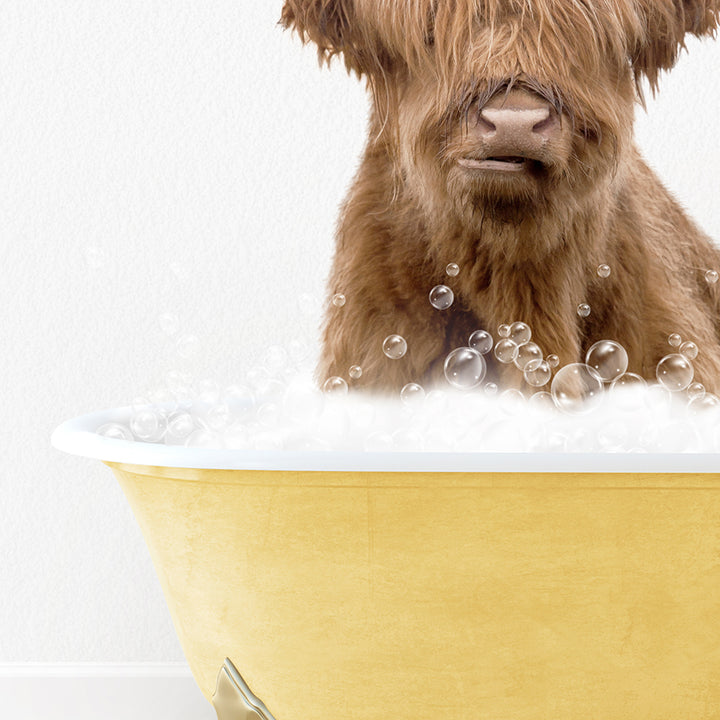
518	122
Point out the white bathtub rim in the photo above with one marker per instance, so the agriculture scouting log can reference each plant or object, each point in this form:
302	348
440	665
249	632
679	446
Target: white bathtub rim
78	437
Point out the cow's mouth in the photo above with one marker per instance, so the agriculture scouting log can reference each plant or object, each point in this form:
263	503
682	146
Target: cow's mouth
503	163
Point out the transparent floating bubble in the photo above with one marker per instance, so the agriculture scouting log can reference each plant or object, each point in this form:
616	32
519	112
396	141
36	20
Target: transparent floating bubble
240	400
115	431
702	403
412	394
583	310
179	427
542	401
355	372
441	297
603	271
208	391
577	389
506	351
674	340
608	358
675	372
464	368
169	323
689	350
695	390
339	300
395	346
504	331
147	425
453	269
627	390
657	398
527	353
218	418
188	346
553	361
520	333
481	341
537	373
491	389
335	386
711	277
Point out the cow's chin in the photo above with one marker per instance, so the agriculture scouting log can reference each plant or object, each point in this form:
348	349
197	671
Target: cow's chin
510	195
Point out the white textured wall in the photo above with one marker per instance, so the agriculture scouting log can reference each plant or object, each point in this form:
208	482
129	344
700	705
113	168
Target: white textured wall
171	156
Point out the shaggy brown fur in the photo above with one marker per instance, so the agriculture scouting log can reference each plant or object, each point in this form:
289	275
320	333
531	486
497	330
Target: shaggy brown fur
528	244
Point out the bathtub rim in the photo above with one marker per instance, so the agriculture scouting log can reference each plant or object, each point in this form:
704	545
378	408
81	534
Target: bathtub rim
78	437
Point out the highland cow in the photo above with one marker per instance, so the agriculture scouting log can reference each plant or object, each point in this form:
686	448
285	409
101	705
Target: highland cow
501	139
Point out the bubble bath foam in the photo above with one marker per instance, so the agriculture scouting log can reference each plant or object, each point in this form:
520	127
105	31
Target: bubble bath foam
316	586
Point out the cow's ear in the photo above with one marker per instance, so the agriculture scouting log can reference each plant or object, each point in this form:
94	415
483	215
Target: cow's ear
332	26
662	29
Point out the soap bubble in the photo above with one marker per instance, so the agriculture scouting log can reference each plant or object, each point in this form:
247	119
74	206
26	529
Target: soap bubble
504	331
147	425
511	401
695	390
689	350
240	400
577	389
604	271
335	386
412	394
674	340
542	401
453	269
526	354
208	391
218	418
441	297
608	358
115	431
553	361
169	323
657	398
395	346
506	351
338	300
711	277
537	373
355	372
520	333
491	389
188	345
628	383
481	341
179	428
675	372
583	310
464	368
703	403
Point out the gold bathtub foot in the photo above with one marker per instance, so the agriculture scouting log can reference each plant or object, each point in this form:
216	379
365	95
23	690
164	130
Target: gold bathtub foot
233	699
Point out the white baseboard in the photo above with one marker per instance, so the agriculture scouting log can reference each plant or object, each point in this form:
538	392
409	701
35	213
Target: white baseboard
92	691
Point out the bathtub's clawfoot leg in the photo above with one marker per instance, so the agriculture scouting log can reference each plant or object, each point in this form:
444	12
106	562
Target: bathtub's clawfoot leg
233	699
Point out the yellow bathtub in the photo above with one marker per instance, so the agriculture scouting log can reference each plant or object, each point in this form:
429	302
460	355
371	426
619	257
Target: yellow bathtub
426	586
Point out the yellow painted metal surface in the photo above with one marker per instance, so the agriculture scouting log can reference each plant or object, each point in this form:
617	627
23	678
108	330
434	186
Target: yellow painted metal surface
415	596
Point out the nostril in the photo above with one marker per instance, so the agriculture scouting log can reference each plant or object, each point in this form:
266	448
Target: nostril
484	124
547	123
